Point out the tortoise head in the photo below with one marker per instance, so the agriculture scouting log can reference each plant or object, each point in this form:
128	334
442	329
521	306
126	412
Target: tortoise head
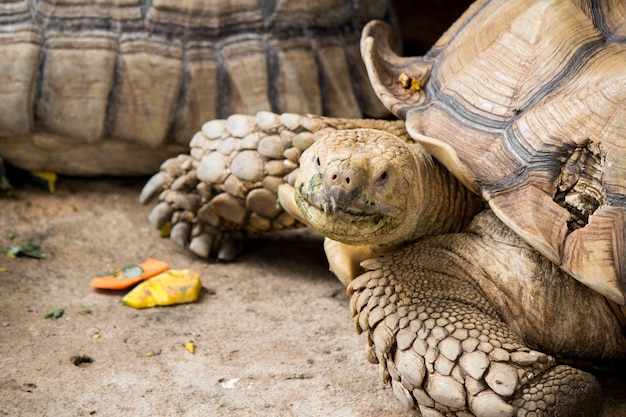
358	187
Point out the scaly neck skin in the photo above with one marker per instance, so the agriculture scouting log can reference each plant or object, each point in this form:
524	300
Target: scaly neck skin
440	203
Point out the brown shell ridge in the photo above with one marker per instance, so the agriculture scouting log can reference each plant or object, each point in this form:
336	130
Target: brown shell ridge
613	26
568	72
530	160
575	184
106	47
452	106
172	32
519	173
453	32
596	254
552	163
384	67
586	230
190	21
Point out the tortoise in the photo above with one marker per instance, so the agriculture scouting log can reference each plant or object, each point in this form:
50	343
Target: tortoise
482	245
115	88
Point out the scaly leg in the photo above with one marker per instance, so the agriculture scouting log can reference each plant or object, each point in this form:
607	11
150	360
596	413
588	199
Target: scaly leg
434	322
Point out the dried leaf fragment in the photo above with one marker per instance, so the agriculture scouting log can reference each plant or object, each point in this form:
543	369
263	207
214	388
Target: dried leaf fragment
54	313
190	347
29	250
409	83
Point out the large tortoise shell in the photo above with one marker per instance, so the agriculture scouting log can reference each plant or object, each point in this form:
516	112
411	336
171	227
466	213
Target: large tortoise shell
116	87
525	102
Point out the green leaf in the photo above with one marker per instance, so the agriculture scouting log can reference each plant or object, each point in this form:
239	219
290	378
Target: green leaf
54	313
26	250
131	271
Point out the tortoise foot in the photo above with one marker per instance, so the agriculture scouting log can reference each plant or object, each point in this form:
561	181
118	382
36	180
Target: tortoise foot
181	214
445	352
227	187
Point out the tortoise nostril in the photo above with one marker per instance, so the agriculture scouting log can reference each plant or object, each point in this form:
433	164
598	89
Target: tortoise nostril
341	177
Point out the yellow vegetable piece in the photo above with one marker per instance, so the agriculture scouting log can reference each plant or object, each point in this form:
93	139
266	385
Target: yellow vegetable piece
45	179
166	229
409	83
190	347
170	287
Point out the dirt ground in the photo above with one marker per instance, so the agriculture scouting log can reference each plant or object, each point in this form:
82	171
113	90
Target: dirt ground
273	332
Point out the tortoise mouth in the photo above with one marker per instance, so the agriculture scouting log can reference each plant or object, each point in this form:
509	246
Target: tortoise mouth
357	223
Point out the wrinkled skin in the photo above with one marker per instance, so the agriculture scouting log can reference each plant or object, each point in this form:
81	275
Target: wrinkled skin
452	318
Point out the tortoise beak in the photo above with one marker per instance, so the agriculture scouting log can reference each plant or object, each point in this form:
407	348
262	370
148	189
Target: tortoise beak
342	183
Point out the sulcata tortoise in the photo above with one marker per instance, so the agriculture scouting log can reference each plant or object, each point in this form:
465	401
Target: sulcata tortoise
481	247
116	87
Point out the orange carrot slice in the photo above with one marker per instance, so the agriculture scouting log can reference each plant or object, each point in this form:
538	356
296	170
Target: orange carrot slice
129	275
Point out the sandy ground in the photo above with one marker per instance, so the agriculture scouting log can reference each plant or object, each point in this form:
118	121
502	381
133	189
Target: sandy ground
273	332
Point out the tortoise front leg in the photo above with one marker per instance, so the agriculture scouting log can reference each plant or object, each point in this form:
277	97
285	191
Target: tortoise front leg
442	345
449	357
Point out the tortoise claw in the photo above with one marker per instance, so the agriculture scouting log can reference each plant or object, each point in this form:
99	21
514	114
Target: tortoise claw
229	249
153	187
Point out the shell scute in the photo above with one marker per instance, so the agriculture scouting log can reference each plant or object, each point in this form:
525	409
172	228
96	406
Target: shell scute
496	74
525	103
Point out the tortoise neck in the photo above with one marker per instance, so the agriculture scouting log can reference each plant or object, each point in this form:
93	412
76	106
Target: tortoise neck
443	204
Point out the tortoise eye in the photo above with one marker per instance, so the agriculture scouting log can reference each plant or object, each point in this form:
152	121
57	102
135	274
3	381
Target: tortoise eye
382	178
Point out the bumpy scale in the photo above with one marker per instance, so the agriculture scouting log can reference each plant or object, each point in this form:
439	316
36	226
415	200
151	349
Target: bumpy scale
443	346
